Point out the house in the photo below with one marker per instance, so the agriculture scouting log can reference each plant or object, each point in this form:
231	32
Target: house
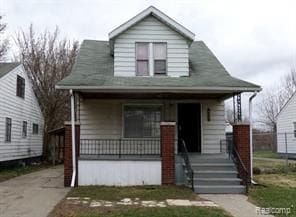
148	106
286	128
21	120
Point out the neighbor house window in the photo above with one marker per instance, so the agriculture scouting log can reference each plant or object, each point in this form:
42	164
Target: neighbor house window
20	87
141	122
35	129
295	129
142	59
160	58
25	124
8	130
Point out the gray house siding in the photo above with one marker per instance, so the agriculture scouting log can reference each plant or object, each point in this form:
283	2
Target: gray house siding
151	30
19	110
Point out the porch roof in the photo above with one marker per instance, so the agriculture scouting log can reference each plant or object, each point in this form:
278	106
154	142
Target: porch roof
93	71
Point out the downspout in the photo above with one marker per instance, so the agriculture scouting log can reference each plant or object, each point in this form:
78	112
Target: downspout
73	139
251	134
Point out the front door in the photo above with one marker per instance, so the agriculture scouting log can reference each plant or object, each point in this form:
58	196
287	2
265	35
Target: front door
189	126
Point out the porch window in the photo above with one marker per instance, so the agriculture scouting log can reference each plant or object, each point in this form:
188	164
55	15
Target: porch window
142	57
142	122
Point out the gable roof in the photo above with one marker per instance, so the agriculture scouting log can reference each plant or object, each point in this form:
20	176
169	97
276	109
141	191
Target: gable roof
7	67
158	15
94	70
286	105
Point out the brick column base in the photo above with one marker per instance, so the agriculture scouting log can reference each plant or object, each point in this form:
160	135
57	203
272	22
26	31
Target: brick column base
68	168
241	138
167	142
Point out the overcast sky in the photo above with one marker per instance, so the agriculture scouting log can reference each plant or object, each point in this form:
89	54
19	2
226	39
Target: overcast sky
255	40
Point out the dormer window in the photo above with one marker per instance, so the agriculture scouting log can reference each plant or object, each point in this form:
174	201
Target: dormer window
159	54
142	57
151	59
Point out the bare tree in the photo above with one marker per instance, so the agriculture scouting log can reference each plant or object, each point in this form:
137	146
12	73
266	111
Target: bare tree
4	43
274	99
48	60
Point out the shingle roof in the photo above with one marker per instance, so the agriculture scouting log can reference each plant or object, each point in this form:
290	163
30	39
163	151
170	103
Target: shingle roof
94	68
7	67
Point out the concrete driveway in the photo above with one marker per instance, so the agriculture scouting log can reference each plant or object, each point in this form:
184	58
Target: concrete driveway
32	195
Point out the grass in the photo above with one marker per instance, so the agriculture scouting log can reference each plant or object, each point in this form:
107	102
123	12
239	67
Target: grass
275	190
266	154
11	171
141	192
157	193
159	212
272	166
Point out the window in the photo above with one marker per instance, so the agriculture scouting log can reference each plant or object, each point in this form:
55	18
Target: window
20	87
35	129
141	122
24	134
160	55
142	57
8	130
295	129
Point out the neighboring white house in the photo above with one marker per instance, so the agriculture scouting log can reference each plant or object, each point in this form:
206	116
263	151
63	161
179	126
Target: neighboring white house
21	120
286	127
149	73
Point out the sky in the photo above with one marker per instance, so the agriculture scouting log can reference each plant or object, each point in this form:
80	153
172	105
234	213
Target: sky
254	40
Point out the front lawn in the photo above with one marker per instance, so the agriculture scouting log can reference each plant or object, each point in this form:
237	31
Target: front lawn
157	212
67	208
275	191
267	154
141	192
11	171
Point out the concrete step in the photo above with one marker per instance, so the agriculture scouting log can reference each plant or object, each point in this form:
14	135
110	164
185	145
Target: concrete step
215	174
213	166
204	160
217	181
220	189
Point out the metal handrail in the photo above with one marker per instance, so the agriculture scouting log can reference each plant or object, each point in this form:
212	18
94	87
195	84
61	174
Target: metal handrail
190	172
232	152
244	174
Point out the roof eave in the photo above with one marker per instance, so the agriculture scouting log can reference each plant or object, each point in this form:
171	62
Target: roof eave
160	89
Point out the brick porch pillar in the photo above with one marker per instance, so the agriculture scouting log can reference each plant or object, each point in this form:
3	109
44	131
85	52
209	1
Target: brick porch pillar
68	168
167	142
241	138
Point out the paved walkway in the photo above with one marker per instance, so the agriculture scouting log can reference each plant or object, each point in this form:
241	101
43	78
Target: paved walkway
32	195
235	204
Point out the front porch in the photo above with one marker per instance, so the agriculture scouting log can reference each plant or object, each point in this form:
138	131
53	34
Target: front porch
132	141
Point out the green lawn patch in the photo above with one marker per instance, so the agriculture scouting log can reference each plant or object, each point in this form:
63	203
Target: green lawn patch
267	154
275	191
142	192
11	171
159	212
275	166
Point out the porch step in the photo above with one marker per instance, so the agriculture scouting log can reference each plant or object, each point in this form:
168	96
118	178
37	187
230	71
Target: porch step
215	174
216	181
213	166
219	189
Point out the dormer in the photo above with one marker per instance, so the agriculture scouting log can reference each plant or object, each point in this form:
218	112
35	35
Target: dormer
151	44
